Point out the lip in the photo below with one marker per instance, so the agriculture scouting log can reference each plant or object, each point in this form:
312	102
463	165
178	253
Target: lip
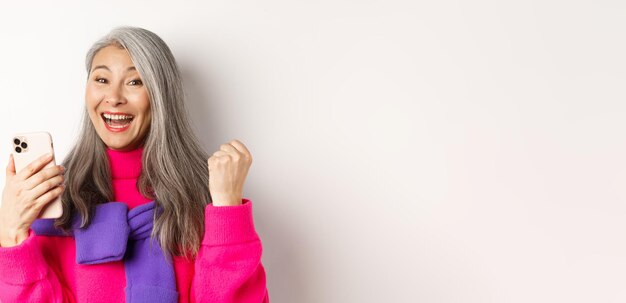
116	113
116	130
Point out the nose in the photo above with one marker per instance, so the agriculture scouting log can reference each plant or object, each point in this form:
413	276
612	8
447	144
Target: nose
115	96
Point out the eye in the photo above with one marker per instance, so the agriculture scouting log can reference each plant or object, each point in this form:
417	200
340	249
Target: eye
136	80
98	80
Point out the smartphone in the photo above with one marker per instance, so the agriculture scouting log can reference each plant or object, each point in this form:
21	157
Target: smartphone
27	147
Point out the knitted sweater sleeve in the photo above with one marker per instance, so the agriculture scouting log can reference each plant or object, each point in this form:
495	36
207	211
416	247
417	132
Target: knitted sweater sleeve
25	275
228	266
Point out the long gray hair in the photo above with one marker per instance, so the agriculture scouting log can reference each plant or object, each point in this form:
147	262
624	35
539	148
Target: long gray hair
174	166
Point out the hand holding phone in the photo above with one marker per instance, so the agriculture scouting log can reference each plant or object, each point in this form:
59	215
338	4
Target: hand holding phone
29	190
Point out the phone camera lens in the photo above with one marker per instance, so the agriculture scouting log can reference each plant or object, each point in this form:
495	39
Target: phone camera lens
24	145
18	149
16	141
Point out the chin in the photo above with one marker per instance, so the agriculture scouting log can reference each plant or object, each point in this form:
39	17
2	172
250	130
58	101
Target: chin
122	147
118	144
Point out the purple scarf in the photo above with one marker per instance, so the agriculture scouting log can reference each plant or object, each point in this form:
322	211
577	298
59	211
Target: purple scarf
115	233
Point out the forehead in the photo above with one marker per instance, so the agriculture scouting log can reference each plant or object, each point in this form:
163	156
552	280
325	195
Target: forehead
113	57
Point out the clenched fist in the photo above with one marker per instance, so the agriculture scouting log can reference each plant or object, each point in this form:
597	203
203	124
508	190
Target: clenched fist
228	168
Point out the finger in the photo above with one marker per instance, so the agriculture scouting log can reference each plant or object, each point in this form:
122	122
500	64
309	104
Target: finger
228	148
239	146
45	186
219	158
34	167
42	176
48	197
235	154
216	157
10	167
220	153
224	157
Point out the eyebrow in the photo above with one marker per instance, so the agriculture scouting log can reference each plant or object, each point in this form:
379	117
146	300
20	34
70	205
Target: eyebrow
107	68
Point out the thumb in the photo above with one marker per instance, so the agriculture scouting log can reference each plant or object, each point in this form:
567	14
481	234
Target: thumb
11	167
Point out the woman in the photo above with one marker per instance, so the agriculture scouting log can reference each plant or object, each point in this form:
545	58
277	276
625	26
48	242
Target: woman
136	173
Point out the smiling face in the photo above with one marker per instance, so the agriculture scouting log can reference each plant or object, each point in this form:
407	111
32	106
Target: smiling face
117	101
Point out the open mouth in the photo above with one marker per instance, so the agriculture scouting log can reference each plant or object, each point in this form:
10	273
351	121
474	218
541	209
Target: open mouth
117	121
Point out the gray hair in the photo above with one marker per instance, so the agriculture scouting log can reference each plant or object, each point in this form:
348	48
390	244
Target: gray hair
174	166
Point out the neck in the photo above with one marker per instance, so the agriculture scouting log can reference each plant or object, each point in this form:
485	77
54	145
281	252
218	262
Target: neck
125	164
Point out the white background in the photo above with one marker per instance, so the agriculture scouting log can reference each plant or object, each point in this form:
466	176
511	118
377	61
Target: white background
404	151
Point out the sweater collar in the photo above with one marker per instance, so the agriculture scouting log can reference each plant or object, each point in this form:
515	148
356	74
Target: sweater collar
125	164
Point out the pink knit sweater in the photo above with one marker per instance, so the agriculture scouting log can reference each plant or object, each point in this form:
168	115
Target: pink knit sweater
227	269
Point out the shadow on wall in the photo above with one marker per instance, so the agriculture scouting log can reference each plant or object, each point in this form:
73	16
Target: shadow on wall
285	279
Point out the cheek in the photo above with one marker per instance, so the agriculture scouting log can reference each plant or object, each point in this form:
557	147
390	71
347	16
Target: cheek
147	120
92	96
92	115
145	106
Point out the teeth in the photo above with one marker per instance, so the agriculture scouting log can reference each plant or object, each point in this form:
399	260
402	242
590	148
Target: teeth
117	117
